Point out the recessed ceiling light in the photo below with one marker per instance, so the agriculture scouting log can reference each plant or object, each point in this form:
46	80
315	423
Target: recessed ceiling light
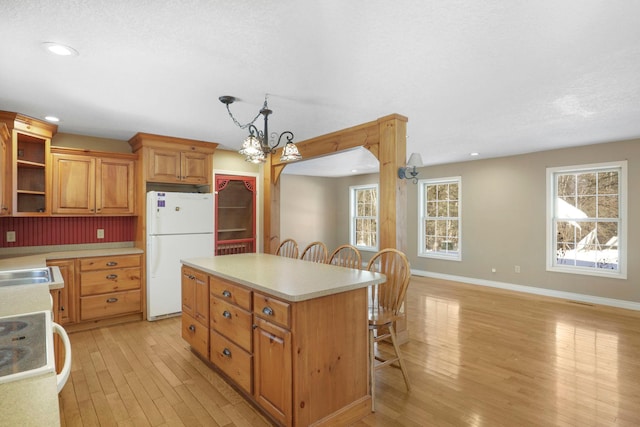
60	49
53	119
354	170
474	154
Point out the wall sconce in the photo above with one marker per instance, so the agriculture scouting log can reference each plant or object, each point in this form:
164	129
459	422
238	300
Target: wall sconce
409	171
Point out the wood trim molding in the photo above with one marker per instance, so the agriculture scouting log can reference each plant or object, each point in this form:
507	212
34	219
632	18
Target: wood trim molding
386	139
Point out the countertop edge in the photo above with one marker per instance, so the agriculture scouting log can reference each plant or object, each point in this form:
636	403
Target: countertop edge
194	263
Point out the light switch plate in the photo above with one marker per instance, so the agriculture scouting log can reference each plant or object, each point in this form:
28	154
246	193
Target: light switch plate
11	236
100	233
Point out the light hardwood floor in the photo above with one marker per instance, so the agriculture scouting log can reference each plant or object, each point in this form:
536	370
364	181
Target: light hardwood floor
476	357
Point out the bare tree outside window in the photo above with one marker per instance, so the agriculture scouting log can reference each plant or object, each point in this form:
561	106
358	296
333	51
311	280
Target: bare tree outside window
440	218
364	216
587	219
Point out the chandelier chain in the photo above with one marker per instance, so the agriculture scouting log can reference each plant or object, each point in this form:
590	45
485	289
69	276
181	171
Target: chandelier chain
240	125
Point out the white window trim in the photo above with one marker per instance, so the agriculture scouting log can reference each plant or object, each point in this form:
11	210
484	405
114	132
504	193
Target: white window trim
352	213
551	243
421	206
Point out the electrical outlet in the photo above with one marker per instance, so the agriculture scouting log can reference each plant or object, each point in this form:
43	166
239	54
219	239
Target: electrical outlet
517	269
100	233
493	270
11	236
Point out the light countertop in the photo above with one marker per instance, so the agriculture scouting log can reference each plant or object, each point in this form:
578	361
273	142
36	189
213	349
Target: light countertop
287	278
31	401
34	401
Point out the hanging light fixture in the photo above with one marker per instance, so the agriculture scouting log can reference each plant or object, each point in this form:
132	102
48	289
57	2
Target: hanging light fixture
257	147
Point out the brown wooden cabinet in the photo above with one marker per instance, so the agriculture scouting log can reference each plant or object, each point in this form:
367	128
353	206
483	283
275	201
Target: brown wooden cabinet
235	219
64	299
5	171
90	183
109	286
231	322
195	310
174	160
273	349
30	145
272	369
63	309
179	167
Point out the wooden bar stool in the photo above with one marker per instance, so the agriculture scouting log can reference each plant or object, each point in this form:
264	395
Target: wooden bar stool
385	303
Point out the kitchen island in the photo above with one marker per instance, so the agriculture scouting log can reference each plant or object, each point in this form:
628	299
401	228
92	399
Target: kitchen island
291	335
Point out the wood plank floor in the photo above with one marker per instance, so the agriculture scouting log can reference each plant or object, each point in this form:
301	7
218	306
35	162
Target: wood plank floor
476	357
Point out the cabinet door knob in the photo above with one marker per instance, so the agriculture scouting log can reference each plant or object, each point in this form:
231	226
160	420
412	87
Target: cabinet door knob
226	352
112	264
112	276
112	300
192	328
226	294
268	311
226	314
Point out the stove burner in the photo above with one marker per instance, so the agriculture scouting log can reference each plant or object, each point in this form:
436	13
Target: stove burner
8	358
8	326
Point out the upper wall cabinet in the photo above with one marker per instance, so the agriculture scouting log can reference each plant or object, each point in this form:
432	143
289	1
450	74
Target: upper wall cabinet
92	183
5	171
174	160
29	151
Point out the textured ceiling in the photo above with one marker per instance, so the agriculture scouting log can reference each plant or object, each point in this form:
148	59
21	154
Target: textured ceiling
494	77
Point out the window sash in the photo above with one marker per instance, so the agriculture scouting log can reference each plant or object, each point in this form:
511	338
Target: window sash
363	224
586	219
440	218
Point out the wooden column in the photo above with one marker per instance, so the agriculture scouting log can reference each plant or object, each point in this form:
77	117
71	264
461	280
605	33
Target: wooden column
386	138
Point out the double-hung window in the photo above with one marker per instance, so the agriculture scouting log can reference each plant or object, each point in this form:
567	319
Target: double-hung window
586	219
363	228
440	218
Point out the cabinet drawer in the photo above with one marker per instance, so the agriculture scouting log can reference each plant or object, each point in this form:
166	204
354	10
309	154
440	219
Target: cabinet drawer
230	292
98	306
232	360
104	262
273	310
195	334
231	321
103	281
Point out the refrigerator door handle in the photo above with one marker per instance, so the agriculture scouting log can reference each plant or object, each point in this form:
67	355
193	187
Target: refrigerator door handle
153	251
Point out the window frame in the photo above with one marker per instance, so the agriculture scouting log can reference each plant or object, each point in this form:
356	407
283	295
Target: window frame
422	186
353	189
551	237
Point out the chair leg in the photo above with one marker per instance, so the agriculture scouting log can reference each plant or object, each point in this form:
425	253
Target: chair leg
399	355
372	370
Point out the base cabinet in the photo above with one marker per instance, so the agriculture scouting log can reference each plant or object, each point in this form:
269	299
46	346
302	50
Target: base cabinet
296	371
195	310
272	371
109	286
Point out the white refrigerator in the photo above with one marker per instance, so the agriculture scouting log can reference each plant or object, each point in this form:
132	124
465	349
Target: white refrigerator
179	226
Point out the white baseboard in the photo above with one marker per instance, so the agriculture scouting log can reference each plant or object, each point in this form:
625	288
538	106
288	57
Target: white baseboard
629	305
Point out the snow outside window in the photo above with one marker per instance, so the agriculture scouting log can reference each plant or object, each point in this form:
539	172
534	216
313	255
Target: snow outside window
586	219
363	224
440	218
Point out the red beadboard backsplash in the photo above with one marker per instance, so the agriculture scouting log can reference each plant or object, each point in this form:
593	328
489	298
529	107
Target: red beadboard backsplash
43	231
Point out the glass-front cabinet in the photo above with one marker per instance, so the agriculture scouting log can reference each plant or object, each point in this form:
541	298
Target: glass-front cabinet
235	218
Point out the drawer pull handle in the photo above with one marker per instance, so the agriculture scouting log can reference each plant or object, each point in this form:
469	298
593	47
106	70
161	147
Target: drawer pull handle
226	314
268	311
112	264
112	300
226	294
226	352
192	328
112	276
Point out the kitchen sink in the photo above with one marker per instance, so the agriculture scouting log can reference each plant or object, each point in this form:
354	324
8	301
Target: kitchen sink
28	276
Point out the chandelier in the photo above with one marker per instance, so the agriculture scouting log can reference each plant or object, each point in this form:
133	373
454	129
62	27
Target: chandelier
257	146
